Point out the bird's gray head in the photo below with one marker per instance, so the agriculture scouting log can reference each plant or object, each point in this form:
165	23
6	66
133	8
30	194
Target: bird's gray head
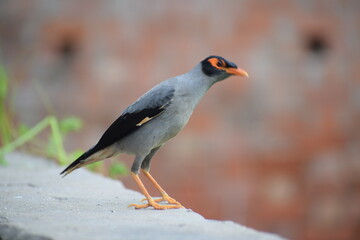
219	68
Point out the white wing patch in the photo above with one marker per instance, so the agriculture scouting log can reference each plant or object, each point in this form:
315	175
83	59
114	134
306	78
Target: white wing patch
145	120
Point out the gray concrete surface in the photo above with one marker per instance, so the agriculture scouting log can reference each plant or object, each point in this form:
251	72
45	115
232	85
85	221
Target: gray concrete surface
36	203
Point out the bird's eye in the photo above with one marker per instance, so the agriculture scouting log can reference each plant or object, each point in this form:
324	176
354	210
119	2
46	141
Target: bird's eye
221	63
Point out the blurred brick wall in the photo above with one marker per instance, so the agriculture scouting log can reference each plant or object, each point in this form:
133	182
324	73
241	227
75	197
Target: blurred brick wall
278	152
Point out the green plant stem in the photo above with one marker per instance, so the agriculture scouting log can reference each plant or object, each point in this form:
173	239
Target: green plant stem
58	140
5	126
31	133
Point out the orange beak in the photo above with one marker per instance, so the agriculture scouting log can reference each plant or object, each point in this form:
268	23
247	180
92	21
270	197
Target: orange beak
237	71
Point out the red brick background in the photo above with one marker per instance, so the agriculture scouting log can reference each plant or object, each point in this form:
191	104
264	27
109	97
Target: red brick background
279	152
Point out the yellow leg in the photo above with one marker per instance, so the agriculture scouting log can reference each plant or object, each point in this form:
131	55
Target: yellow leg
165	196
151	202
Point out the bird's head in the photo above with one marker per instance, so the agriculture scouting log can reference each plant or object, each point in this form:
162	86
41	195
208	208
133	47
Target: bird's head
220	68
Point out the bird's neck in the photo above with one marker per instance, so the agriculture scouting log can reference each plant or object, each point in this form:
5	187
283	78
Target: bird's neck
194	85
199	80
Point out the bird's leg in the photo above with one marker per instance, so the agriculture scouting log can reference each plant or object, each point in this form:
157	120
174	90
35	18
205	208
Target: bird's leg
165	196
151	201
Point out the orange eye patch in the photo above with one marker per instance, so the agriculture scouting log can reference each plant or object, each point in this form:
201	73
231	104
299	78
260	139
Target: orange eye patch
217	63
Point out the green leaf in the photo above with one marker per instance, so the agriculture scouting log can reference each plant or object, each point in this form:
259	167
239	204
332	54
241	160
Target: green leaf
70	124
118	169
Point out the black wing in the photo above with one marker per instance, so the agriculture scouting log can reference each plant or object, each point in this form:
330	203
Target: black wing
146	108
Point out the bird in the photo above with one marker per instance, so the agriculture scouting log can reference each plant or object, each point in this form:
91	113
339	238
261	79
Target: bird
153	119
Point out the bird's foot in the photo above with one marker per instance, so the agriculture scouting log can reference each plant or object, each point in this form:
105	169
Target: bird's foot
165	198
152	203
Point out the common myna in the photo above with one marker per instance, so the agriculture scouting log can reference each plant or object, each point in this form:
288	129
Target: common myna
159	115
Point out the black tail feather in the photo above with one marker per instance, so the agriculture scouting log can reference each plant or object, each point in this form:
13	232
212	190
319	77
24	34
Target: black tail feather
76	164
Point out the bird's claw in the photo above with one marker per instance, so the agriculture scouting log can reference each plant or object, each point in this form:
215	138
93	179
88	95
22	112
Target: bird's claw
165	198
155	205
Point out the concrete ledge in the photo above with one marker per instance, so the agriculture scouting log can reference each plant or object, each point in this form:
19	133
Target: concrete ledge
36	203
